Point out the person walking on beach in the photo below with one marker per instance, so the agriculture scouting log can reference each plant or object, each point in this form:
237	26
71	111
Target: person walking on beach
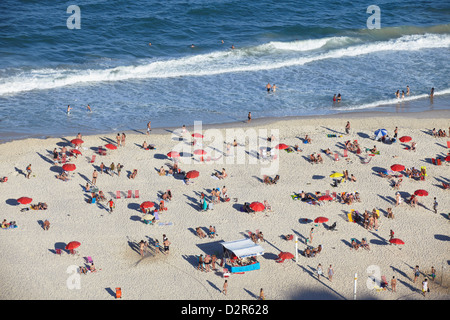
118	139
249	117
395	132
149	127
166	245
142	245
261	294
330	273
416	273
311	235
123	139
319	271
225	287
28	171
94	177
425	286
394	284
435	205
347	127
111	205
433	273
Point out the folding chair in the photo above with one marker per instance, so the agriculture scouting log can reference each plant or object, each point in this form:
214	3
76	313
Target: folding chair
93	158
433	161
136	194
448	144
129	194
345	153
118	195
350	215
118	293
336	157
438	161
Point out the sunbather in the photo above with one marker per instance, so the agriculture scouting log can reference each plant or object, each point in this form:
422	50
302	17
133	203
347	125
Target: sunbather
354	245
200	233
364	244
134	174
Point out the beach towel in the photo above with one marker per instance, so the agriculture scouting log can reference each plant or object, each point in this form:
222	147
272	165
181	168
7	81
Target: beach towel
162	224
9	227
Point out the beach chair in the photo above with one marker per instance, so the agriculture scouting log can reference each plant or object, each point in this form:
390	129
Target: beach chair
345	153
448	144
438	161
445	185
334	196
118	195
118	293
136	194
93	158
226	273
433	161
327	193
336	157
129	194
350	215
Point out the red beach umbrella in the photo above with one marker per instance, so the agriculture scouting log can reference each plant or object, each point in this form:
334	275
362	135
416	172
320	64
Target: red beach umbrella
281	146
75	151
397	167
77	141
197	135
405	139
285	255
173	154
69	167
199	152
24	200
72	245
321	220
421	193
257	206
325	198
147	204
110	146
192	174
396	241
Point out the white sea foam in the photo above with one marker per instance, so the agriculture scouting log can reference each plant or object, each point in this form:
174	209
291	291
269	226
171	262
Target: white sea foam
233	61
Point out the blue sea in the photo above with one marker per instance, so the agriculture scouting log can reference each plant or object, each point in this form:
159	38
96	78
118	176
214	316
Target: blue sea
310	49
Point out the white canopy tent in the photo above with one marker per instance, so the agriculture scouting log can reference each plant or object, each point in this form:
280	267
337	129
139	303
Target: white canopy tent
243	248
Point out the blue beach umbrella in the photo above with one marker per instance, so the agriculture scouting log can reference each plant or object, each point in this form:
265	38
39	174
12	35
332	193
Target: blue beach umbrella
381	132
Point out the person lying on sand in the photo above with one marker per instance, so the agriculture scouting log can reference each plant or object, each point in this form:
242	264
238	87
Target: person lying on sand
354	245
161	171
134	174
200	233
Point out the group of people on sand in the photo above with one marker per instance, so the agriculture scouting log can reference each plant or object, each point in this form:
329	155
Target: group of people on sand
312	252
120	139
363	244
201	234
315	159
221	175
111	170
157	248
207	263
440	133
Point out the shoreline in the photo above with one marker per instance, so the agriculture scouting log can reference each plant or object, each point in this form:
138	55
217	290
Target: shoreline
427	114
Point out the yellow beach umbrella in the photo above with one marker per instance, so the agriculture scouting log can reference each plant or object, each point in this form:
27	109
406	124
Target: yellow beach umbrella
336	175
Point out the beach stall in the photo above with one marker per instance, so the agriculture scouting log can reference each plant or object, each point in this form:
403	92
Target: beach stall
240	255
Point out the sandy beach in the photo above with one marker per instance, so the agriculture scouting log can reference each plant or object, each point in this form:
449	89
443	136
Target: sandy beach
32	270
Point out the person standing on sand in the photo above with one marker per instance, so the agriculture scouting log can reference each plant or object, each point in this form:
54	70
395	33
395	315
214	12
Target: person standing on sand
416	273
433	273
347	128
249	117
149	127
142	246
261	294
395	132
394	284
94	177
225	287
123	139
330	273
118	139
424	286
28	171
311	235
435	205
319	271
111	205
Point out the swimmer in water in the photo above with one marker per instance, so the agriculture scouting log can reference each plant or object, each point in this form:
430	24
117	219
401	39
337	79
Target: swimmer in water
89	108
274	88
268	87
407	90
68	109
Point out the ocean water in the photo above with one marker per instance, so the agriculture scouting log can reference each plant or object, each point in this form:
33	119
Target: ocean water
310	49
